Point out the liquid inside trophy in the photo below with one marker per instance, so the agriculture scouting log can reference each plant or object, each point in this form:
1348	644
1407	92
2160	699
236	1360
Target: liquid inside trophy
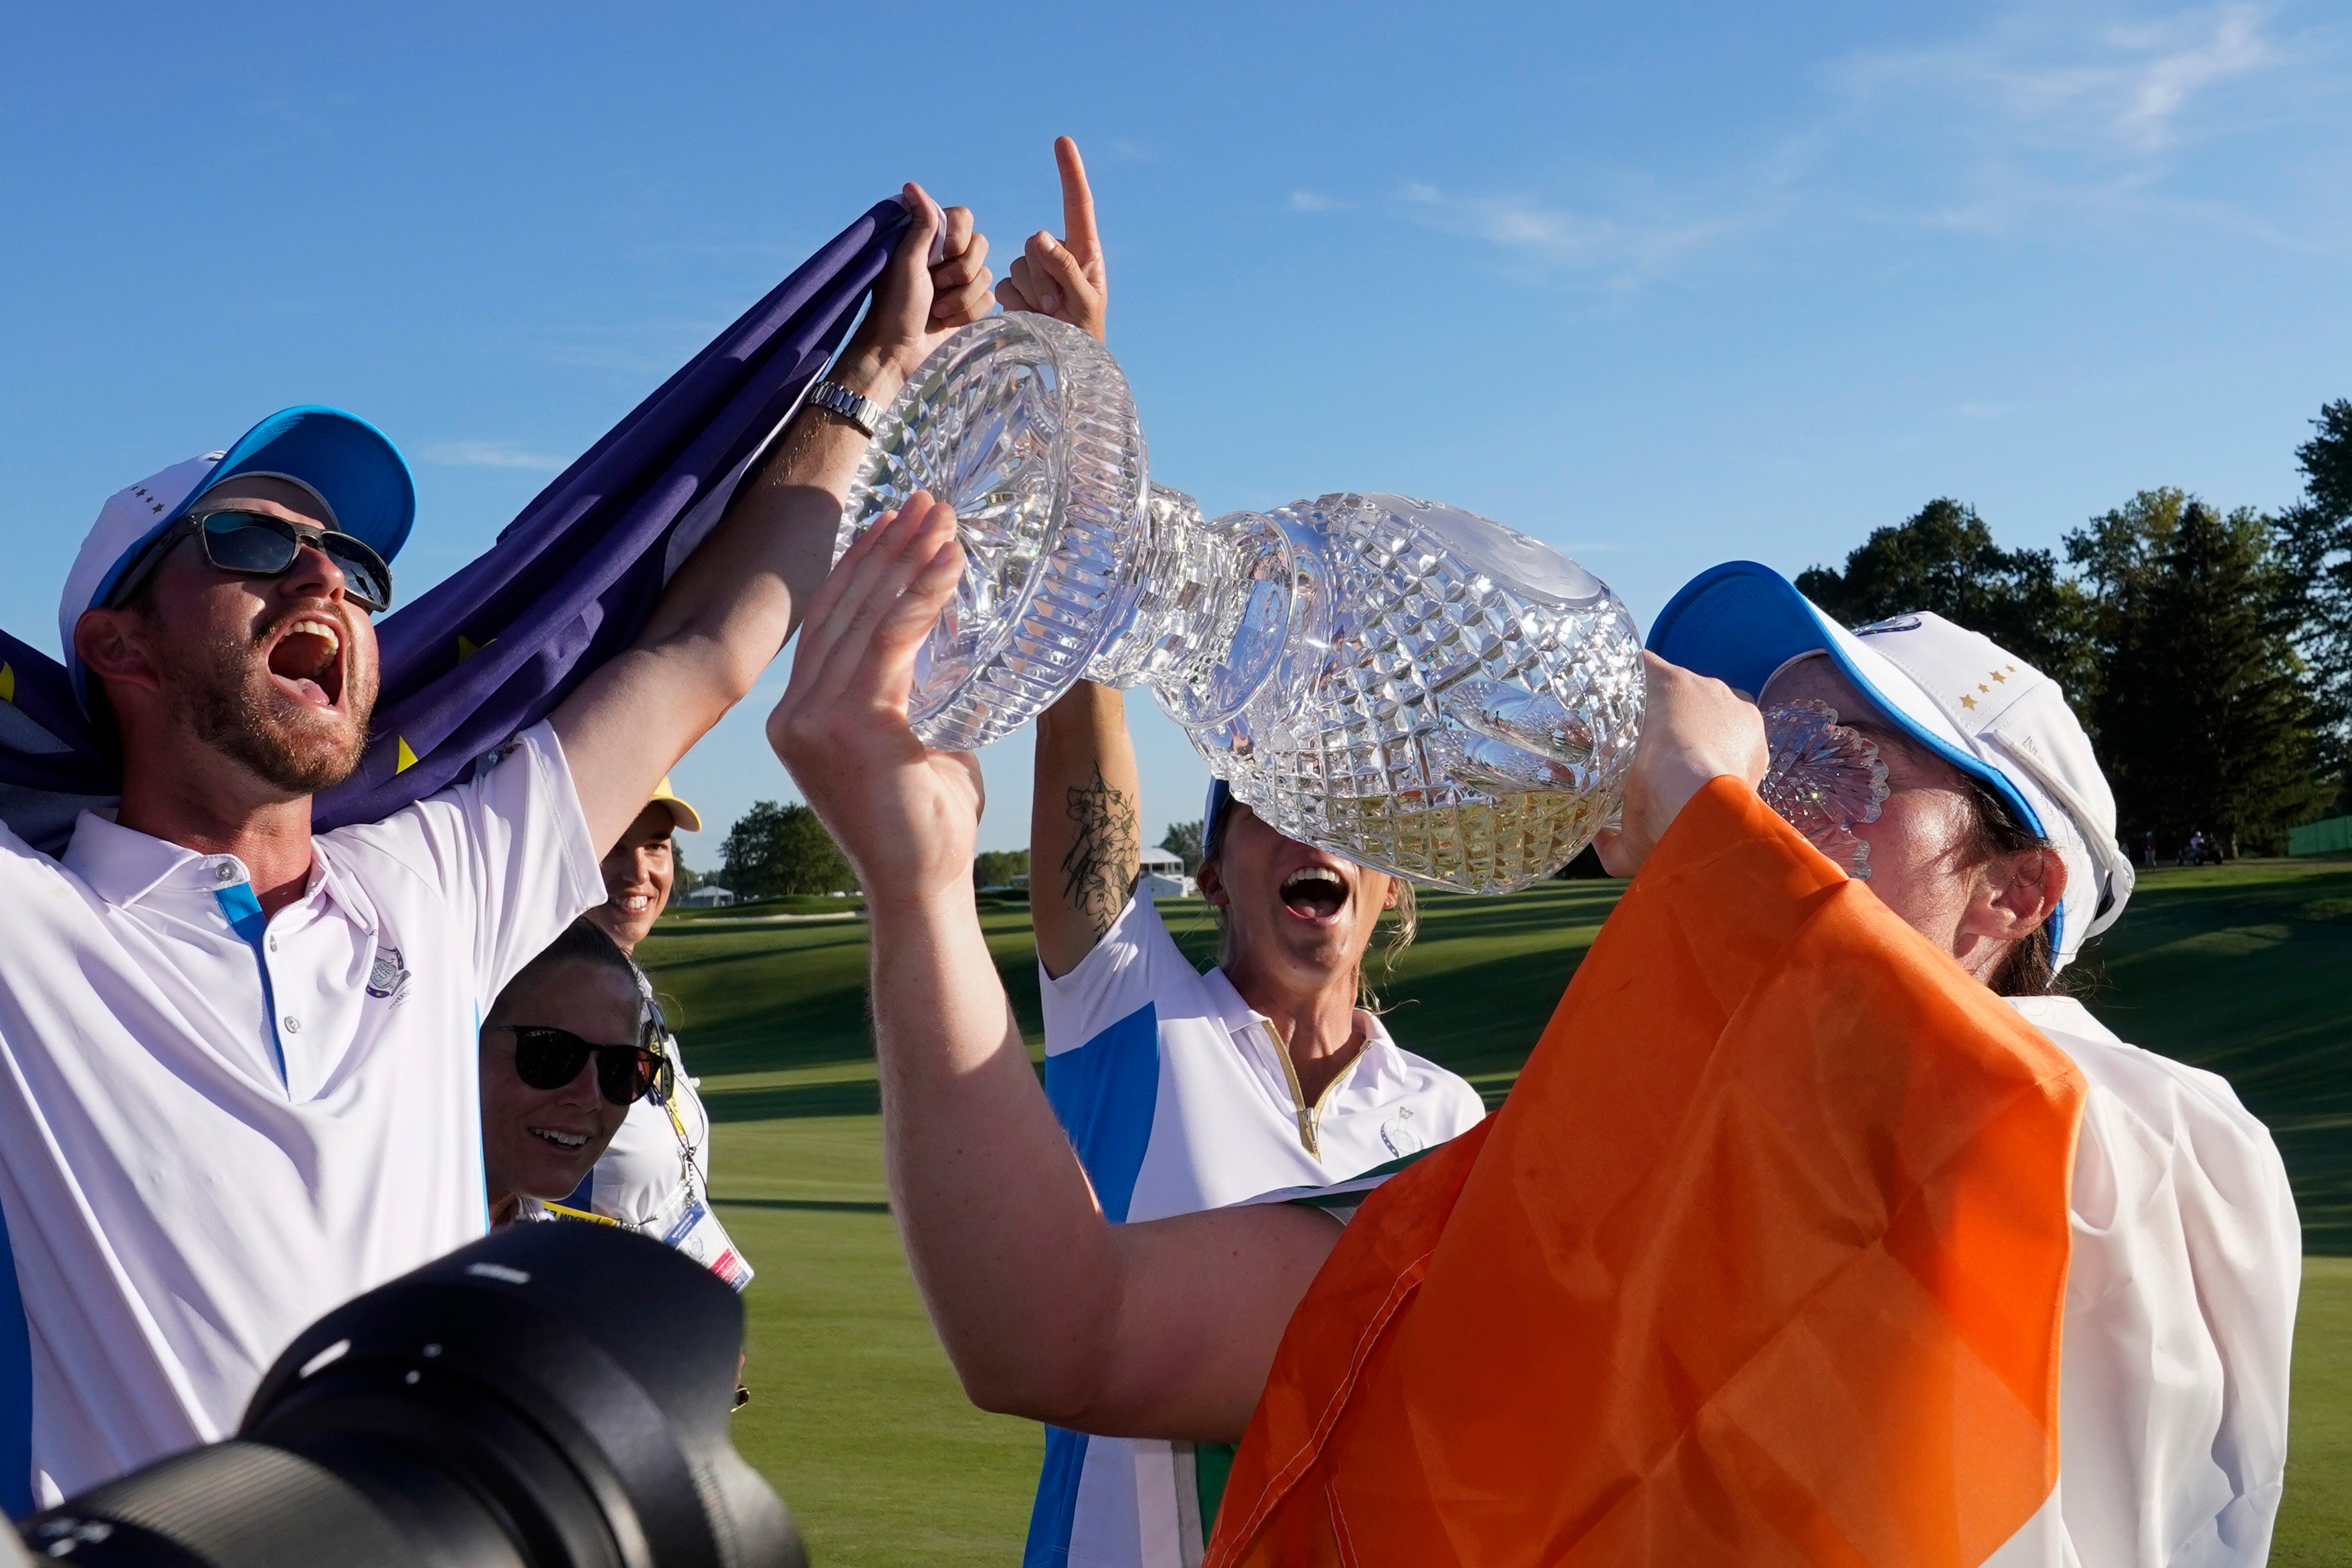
1407	685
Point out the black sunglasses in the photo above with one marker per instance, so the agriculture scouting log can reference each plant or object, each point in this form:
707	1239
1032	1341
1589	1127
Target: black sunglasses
254	544
549	1058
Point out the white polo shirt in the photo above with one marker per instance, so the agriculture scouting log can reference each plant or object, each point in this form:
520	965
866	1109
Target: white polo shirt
1178	1097
2180	1292
213	1130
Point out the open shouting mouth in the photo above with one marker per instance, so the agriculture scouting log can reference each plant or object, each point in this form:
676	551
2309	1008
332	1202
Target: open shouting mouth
306	660
1316	892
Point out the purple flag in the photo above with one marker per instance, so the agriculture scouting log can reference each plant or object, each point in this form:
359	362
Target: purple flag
570	582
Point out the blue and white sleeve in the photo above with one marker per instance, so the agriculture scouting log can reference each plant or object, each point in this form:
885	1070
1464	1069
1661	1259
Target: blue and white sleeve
1131	968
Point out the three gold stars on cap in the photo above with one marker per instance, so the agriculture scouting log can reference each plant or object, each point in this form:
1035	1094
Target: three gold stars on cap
2000	676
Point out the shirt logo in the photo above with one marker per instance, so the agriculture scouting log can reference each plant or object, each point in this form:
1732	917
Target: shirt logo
386	978
1399	1138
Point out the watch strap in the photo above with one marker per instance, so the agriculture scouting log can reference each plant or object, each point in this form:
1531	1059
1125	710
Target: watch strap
855	407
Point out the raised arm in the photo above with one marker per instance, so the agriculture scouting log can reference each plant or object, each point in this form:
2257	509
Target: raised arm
1085	831
1064	278
1086	841
734	602
1164	1328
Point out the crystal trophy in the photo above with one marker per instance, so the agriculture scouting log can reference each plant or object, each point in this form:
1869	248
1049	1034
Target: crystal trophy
1823	779
1405	684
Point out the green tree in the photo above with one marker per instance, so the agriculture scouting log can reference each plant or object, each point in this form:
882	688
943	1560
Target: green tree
773	850
2317	539
997	868
2205	724
1943	559
2120	552
683	878
1182	839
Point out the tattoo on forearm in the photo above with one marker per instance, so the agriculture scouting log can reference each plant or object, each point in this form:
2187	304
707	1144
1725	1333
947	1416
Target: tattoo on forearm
1098	872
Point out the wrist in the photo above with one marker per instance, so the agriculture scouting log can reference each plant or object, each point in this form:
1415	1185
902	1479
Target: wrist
867	371
917	901
1084	703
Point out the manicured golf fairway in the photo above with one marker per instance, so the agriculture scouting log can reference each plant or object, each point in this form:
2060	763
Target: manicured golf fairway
858	1419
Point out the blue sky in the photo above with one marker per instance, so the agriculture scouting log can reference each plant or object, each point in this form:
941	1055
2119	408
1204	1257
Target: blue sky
1662	285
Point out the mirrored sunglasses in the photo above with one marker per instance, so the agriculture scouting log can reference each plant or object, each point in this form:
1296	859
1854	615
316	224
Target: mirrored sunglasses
254	544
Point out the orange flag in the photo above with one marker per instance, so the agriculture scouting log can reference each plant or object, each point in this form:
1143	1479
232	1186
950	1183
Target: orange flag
1763	1262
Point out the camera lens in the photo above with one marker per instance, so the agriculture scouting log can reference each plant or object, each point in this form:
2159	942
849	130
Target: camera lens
552	1396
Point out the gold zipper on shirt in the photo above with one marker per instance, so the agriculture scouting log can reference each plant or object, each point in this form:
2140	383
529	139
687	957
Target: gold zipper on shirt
1311	1117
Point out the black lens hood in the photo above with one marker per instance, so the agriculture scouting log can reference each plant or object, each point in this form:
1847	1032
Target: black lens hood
575	1379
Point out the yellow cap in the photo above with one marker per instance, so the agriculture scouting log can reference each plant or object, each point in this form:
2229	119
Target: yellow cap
684	815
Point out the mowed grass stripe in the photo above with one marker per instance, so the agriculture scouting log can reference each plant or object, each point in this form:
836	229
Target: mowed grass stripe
2246	969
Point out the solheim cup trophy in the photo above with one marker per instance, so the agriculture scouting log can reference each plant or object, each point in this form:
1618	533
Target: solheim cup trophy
1404	684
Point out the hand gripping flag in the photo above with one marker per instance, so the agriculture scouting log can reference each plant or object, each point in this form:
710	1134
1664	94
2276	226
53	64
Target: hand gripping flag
492	649
1763	1262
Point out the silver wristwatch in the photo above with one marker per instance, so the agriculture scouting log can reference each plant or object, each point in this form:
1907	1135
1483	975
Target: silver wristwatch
855	407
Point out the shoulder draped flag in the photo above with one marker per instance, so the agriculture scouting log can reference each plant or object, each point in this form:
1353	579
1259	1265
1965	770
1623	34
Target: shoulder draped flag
1762	1262
492	649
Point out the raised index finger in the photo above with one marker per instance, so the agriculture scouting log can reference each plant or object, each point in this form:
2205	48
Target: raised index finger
1077	202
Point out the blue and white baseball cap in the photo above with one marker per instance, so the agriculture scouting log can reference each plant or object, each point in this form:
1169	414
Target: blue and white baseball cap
349	465
1955	692
1213	815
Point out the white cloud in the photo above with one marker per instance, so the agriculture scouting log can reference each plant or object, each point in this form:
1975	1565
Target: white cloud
491	454
2042	122
2154	87
2036	119
2129	89
1552	239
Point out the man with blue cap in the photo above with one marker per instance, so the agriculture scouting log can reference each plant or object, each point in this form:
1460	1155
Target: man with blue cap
1997	841
238	1068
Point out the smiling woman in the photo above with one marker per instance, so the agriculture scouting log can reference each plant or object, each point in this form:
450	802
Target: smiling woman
566	1053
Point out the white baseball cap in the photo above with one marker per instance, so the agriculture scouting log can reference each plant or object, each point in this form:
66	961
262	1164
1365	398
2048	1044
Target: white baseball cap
352	468
1955	692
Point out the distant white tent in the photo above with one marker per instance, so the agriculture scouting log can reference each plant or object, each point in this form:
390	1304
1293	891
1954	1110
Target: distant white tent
710	895
1161	875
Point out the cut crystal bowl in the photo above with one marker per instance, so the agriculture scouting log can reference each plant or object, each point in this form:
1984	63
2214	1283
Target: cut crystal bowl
1824	779
1025	427
1405	684
1457	704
